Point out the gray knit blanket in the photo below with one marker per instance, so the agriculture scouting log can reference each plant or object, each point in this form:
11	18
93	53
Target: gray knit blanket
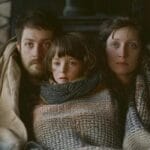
137	134
59	93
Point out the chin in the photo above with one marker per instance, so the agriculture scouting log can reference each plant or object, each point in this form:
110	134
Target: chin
36	73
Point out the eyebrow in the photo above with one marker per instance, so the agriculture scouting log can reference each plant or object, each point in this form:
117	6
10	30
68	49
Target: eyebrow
32	40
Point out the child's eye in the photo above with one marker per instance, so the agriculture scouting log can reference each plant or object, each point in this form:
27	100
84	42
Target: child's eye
73	62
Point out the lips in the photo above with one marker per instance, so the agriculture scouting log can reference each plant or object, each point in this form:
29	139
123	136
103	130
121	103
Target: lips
35	61
63	78
122	63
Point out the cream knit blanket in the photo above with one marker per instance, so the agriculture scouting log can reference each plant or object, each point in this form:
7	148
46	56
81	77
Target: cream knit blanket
12	131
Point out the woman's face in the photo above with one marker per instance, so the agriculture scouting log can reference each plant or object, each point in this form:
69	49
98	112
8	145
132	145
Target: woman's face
123	48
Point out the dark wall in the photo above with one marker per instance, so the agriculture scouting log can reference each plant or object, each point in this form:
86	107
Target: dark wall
110	7
139	9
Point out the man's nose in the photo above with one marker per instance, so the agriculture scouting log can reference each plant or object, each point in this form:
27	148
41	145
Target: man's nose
37	51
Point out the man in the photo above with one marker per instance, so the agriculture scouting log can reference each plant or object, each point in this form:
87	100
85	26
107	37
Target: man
20	70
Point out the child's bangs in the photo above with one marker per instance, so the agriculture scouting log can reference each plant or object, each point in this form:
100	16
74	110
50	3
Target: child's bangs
71	48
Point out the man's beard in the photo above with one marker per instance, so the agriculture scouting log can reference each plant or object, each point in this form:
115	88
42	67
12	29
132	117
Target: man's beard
34	69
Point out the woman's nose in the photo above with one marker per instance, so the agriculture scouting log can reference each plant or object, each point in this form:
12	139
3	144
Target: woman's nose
122	52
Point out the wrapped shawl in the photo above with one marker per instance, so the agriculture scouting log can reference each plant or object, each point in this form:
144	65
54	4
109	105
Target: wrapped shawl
12	131
137	135
88	121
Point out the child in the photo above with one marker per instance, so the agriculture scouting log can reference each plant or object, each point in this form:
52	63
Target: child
69	114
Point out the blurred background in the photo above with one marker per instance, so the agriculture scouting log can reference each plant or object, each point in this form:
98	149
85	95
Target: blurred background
75	15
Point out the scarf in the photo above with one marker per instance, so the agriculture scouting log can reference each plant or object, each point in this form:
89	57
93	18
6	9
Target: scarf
59	93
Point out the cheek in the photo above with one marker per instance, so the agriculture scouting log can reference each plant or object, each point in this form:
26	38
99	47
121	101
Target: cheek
110	52
135	61
25	52
77	71
110	57
54	70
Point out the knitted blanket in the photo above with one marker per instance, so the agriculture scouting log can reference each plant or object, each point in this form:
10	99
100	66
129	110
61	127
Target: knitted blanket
12	131
87	122
137	135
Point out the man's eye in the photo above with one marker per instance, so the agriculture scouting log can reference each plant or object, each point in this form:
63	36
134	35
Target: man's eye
47	45
29	44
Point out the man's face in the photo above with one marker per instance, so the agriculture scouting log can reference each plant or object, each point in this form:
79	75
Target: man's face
33	46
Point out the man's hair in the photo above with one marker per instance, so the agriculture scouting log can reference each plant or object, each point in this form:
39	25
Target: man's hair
73	44
38	19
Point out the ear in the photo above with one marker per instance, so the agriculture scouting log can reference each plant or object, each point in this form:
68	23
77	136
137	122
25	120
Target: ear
18	46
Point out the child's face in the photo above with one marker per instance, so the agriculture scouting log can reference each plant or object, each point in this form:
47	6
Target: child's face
66	69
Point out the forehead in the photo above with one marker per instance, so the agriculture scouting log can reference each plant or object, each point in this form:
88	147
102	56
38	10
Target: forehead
36	34
127	33
56	56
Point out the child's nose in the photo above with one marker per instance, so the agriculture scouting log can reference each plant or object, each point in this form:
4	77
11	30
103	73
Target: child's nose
63	67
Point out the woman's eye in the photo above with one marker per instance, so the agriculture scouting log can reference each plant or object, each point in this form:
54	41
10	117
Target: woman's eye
133	45
115	45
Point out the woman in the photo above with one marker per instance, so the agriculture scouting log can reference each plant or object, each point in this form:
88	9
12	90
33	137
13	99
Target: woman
127	67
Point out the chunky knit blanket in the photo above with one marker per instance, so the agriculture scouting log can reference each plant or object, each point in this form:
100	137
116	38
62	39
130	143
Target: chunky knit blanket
89	121
12	130
56	93
137	135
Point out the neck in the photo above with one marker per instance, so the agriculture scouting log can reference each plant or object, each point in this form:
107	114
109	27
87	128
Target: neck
34	80
126	79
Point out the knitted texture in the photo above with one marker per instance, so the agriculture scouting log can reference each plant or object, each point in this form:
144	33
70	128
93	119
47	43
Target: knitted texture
13	133
137	135
59	93
79	123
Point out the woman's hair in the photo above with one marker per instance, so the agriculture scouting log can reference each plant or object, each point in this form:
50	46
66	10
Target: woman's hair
111	24
73	44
